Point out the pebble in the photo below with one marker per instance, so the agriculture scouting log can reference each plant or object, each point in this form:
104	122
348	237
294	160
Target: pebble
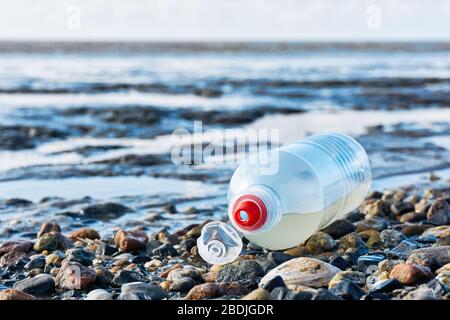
438	232
279	257
274	283
353	276
257	294
104	211
104	277
324	294
79	255
303	271
181	273
421	293
320	242
141	291
40	285
387	265
48	227
126	276
73	275
386	286
98	294
204	291
410	274
403	250
51	241
37	261
439	213
347	290
339	228
233	289
352	241
84	233
432	257
13	260
182	285
377	223
15	246
165	250
371	237
340	262
13	294
391	238
130	240
377	208
244	272
368	261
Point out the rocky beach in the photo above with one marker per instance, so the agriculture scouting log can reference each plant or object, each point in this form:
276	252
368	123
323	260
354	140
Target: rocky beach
92	207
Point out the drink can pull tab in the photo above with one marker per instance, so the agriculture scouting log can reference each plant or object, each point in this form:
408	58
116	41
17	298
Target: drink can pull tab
219	243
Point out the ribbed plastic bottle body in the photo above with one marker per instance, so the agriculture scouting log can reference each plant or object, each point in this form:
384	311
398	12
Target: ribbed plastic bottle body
318	180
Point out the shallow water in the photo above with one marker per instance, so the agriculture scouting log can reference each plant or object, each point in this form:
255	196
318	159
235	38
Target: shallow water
82	121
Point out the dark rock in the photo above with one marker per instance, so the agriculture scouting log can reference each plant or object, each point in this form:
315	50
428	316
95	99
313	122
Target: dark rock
41	285
386	286
352	241
279	257
165	250
273	283
126	276
81	256
339	228
186	245
439	213
170	208
301	295
404	248
340	262
35	262
391	238
347	290
18	202
183	284
245	272
426	239
141	291
104	211
376	223
278	293
324	294
320	242
368	260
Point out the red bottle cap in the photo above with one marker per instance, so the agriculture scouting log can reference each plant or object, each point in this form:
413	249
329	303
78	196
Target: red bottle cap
249	212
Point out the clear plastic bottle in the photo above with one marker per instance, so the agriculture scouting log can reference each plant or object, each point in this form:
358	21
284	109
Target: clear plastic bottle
279	198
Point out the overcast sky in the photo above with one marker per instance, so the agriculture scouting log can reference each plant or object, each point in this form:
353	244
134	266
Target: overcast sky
225	19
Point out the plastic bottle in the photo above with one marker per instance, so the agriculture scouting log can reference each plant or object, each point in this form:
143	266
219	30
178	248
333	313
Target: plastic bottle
317	181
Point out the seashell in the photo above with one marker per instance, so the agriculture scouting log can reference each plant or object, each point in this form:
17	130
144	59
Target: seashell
303	271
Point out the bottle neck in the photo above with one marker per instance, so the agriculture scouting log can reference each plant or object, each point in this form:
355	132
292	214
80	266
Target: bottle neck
256	209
